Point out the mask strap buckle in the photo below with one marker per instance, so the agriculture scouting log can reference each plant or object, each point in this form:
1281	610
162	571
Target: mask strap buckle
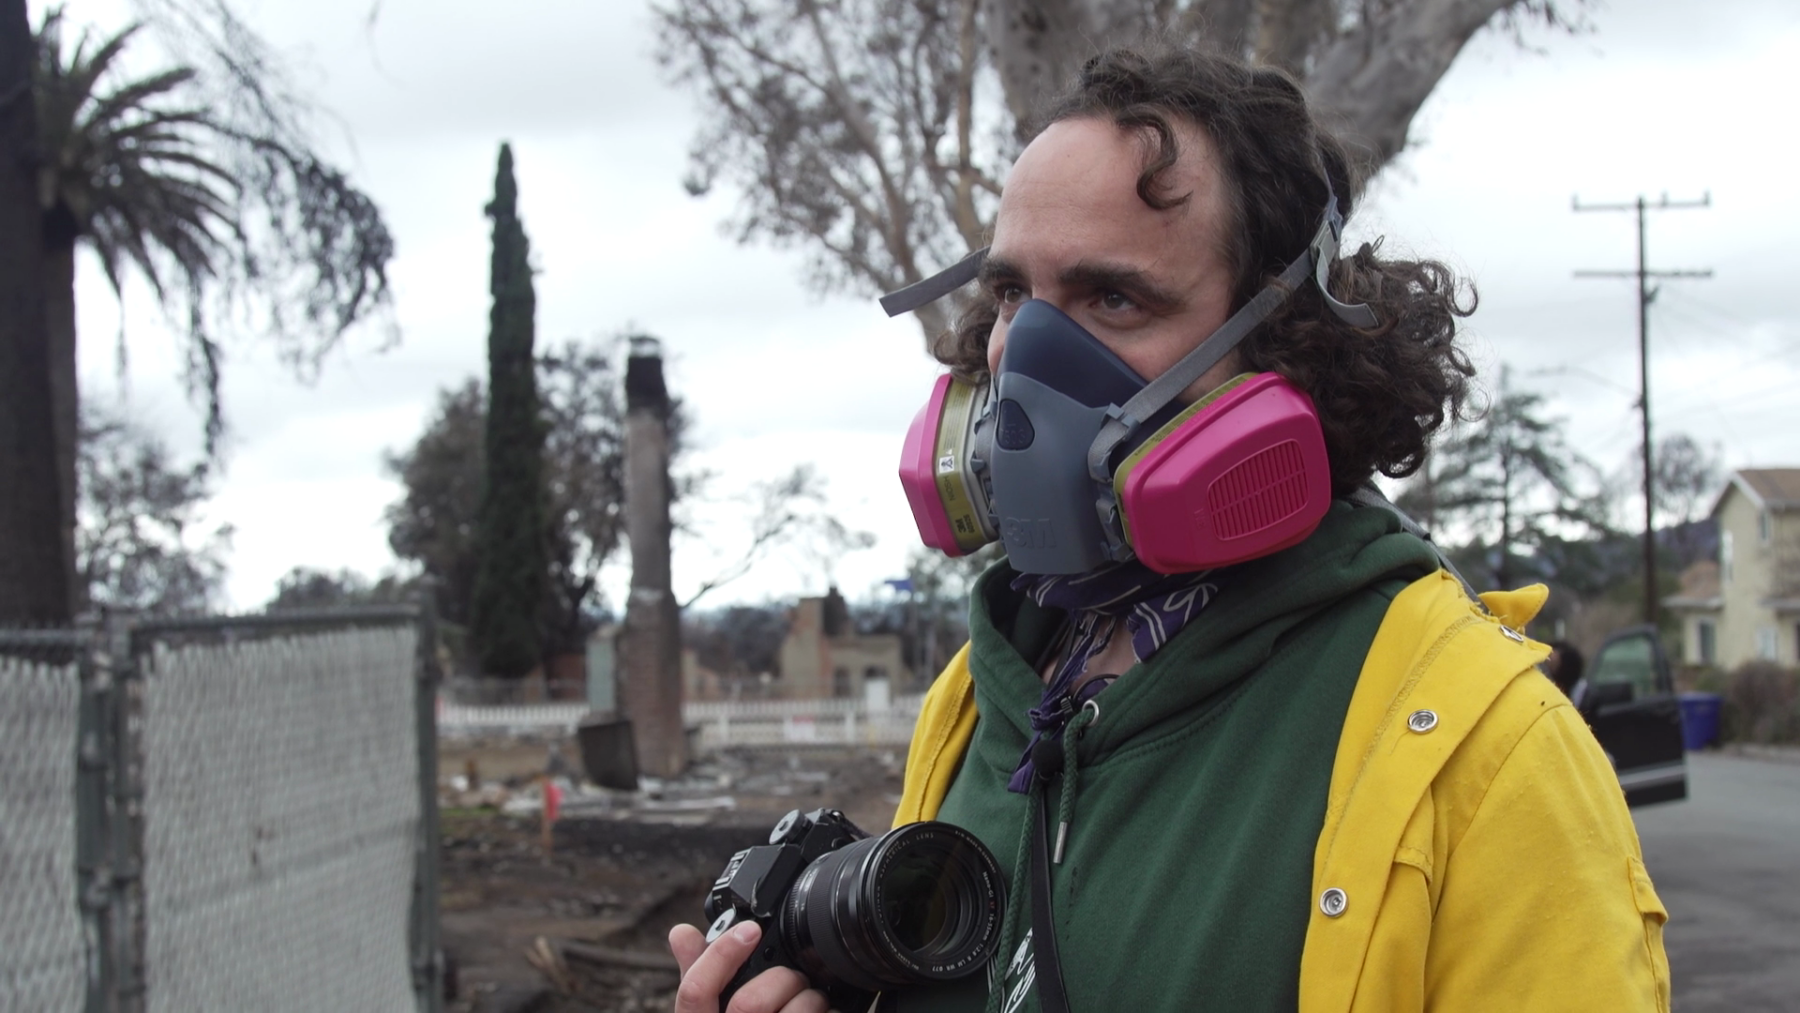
1324	250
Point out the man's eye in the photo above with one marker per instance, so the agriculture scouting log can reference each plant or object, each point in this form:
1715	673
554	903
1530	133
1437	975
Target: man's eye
1010	295
1116	301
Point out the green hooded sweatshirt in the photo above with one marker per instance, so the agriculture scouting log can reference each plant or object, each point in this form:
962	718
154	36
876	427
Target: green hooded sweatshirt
1200	788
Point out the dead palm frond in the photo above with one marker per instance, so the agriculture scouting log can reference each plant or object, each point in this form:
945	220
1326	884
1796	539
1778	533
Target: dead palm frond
125	171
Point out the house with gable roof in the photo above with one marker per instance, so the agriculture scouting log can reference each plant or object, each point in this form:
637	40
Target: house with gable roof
1746	605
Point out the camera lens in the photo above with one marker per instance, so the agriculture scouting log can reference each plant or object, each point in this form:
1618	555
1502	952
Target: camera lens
920	903
920	900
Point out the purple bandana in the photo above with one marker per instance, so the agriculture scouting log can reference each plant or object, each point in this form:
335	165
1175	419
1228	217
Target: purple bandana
1155	607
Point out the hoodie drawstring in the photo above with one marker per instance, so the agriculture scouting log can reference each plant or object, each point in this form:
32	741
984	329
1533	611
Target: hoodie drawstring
1009	926
1048	766
1065	812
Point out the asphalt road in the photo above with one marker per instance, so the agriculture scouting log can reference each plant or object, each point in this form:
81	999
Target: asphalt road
1727	865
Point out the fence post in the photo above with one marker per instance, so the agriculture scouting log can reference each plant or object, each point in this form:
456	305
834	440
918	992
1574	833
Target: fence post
127	802
93	774
428	957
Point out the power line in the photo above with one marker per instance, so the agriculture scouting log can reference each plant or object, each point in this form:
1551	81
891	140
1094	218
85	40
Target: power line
1730	316
1646	294
1571	370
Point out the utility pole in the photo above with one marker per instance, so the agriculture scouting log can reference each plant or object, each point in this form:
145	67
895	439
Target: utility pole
1645	295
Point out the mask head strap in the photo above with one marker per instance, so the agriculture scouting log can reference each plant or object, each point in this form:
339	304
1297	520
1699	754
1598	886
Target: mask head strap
939	285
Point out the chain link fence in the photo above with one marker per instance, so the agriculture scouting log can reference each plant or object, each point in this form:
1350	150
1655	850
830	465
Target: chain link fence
220	814
43	948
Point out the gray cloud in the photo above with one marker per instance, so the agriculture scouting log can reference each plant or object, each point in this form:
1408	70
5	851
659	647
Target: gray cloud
1659	97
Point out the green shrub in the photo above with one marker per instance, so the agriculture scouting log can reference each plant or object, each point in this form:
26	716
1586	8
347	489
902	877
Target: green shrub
1701	679
1762	704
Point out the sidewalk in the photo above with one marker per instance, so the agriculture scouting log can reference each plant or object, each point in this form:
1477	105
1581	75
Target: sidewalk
1756	751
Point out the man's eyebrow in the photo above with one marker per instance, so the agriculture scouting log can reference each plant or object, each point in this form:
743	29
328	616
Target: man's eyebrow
996	268
1130	281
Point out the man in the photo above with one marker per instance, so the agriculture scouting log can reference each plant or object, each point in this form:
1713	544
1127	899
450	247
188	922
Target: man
1564	667
1320	777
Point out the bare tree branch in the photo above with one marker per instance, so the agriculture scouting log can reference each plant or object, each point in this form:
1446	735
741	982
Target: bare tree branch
840	125
873	133
790	512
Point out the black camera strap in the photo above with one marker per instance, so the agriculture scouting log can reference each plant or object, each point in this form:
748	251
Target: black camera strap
1052	997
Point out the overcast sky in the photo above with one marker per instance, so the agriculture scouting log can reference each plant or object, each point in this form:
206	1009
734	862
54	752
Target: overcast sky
1654	99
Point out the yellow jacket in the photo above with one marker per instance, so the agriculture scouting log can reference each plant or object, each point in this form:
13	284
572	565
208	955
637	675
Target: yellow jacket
1475	832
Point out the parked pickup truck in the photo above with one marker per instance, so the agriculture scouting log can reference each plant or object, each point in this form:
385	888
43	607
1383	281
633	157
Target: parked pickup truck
1628	698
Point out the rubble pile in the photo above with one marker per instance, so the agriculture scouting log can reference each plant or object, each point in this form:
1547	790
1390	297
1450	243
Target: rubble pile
583	926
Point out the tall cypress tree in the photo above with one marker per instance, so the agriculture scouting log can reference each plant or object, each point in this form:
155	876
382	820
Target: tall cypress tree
511	557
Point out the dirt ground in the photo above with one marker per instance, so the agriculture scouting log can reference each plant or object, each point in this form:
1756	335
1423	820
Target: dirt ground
623	869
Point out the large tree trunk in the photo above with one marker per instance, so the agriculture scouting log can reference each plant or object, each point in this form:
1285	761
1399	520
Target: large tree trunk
1373	79
1287	31
1369	80
65	393
34	577
1224	24
1040	45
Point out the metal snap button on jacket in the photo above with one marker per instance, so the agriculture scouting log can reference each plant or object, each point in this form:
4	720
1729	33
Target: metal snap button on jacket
1333	902
1422	721
1512	634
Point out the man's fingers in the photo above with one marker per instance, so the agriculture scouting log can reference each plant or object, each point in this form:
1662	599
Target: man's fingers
774	990
704	976
707	969
778	990
686	943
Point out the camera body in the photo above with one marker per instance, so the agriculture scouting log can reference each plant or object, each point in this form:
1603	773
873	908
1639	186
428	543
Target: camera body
856	913
756	881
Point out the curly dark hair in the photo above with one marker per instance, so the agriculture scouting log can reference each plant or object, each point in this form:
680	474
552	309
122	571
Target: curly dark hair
1380	392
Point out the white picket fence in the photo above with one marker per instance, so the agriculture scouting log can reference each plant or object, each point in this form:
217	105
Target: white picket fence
721	723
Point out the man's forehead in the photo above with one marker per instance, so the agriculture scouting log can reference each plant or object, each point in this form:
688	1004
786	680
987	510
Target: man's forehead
1073	195
1102	157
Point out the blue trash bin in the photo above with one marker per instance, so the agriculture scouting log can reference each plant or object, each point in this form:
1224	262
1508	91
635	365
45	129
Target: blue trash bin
1699	719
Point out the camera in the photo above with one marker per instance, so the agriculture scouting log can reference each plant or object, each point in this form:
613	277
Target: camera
857	914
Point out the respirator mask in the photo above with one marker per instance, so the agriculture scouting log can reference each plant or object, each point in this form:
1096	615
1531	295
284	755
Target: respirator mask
1072	460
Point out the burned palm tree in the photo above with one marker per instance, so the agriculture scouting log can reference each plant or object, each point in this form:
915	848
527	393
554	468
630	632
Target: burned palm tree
203	179
123	172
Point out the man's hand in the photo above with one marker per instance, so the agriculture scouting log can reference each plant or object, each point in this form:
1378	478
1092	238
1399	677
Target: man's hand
706	970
